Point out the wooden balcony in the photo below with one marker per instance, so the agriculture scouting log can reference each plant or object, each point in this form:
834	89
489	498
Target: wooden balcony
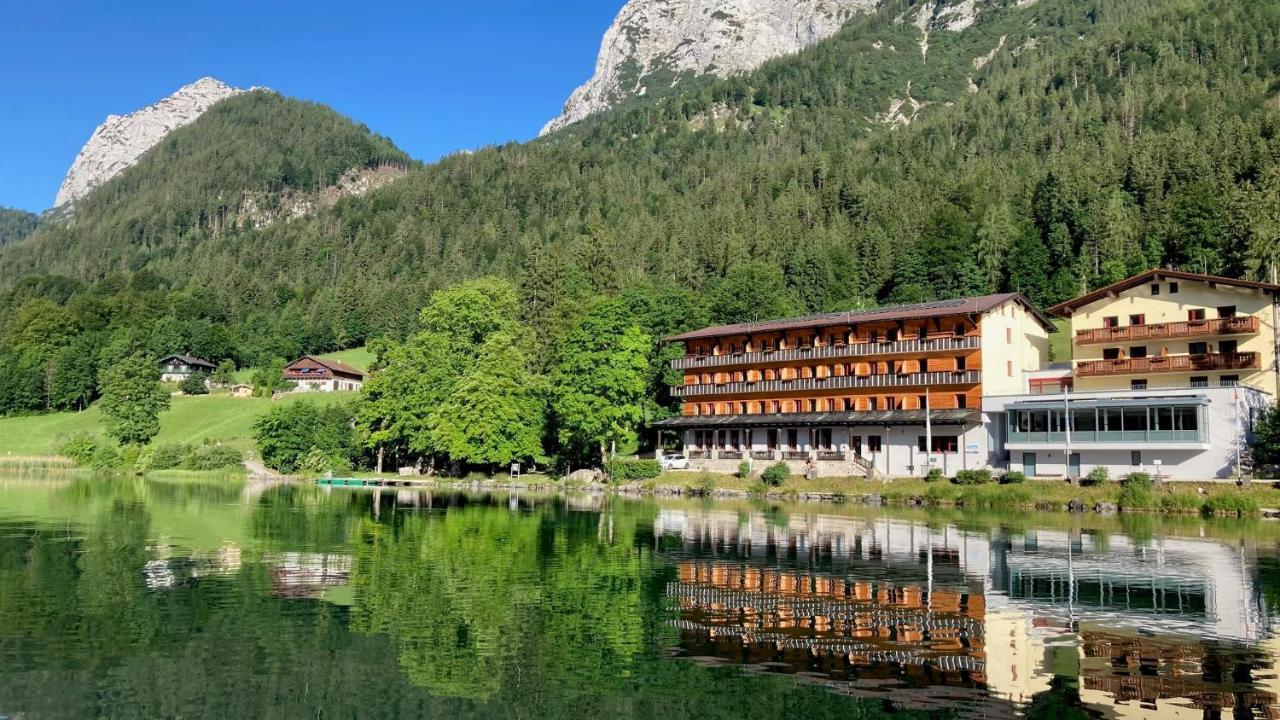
825	352
832	455
1171	363
836	382
1192	328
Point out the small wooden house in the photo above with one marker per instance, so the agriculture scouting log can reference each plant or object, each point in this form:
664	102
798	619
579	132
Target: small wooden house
177	368
313	374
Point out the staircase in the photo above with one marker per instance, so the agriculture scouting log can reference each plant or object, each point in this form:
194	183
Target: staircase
870	470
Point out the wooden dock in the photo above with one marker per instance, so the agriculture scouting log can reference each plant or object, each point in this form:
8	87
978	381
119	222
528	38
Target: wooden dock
375	482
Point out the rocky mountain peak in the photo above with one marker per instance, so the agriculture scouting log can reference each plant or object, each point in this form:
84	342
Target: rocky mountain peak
122	139
656	43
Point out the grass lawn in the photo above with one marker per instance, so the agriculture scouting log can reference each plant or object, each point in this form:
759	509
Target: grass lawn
217	418
1060	342
359	358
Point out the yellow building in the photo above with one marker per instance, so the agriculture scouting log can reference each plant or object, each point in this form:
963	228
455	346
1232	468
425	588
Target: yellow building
1172	329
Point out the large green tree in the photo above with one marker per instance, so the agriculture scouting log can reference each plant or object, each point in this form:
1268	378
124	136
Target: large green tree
598	379
132	400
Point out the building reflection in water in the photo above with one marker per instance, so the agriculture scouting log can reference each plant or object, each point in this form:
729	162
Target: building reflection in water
986	622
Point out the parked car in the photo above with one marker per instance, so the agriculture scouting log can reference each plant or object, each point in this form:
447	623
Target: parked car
675	462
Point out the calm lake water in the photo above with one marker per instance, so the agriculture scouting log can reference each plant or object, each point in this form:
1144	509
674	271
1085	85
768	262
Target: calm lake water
167	599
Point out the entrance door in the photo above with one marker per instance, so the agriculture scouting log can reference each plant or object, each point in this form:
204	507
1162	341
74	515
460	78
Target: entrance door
1029	464
1073	465
855	442
772	440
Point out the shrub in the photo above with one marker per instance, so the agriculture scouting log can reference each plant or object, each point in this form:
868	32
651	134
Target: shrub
703	486
80	448
1181	503
1097	476
1013	477
213	457
1135	492
1231	503
129	456
289	432
972	477
744	469
935	475
776	474
104	457
627	470
195	384
167	457
318	461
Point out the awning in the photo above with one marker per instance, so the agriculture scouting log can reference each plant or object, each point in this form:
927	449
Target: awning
879	418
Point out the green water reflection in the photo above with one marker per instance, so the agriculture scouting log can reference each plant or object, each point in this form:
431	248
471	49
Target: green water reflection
206	598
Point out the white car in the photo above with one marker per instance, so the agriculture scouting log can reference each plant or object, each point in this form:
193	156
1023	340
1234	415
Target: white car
674	462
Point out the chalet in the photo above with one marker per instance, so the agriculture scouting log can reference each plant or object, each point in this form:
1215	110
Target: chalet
313	374
177	368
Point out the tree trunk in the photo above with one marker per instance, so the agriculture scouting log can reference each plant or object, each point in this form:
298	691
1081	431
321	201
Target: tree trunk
381	453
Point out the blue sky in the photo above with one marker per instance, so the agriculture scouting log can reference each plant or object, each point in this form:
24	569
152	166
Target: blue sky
434	76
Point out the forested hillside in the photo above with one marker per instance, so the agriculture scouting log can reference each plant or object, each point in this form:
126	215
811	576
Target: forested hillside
16	224
1100	138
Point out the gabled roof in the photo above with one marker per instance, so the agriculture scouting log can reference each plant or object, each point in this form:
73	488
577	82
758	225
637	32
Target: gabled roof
890	313
188	360
1064	309
333	365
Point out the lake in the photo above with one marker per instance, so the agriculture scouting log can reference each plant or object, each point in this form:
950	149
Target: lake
132	598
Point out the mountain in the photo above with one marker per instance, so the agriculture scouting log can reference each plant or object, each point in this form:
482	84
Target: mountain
1047	147
654	45
119	141
16	224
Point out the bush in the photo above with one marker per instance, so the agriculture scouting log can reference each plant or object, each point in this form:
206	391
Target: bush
167	457
935	475
318	461
1097	476
1013	478
1135	492
627	470
972	477
195	384
1181	503
703	487
1231	503
80	448
775	474
105	457
744	469
212	457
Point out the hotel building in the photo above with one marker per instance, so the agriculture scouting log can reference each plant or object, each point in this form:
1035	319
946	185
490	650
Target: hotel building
848	393
1169	373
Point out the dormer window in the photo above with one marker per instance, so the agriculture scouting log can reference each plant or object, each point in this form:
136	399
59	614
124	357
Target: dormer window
1155	289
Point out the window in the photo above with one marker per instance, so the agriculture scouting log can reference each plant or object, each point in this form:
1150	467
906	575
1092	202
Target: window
922	334
1135	458
1008	335
1110	322
873	443
1227	311
1229	380
1138	384
1196	315
891	336
958	330
793	439
1173	288
1137	319
941	443
847	404
872	404
1138	351
962	402
922	401
1186	418
1083	421
1009	367
1198	348
960	364
813	406
822	439
1199	381
1227	347
1155	289
1135	419
1111	353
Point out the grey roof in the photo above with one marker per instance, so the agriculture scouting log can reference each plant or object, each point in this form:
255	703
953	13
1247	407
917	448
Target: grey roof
189	360
890	313
871	417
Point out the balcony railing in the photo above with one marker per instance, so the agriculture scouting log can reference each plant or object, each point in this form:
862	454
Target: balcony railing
1170	363
1118	437
762	455
844	382
1190	328
824	352
795	454
832	455
730	454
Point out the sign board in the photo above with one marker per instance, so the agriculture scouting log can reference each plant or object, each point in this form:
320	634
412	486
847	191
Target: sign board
971	447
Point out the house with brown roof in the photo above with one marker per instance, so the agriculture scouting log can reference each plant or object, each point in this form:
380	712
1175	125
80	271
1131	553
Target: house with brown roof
176	368
893	390
315	374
